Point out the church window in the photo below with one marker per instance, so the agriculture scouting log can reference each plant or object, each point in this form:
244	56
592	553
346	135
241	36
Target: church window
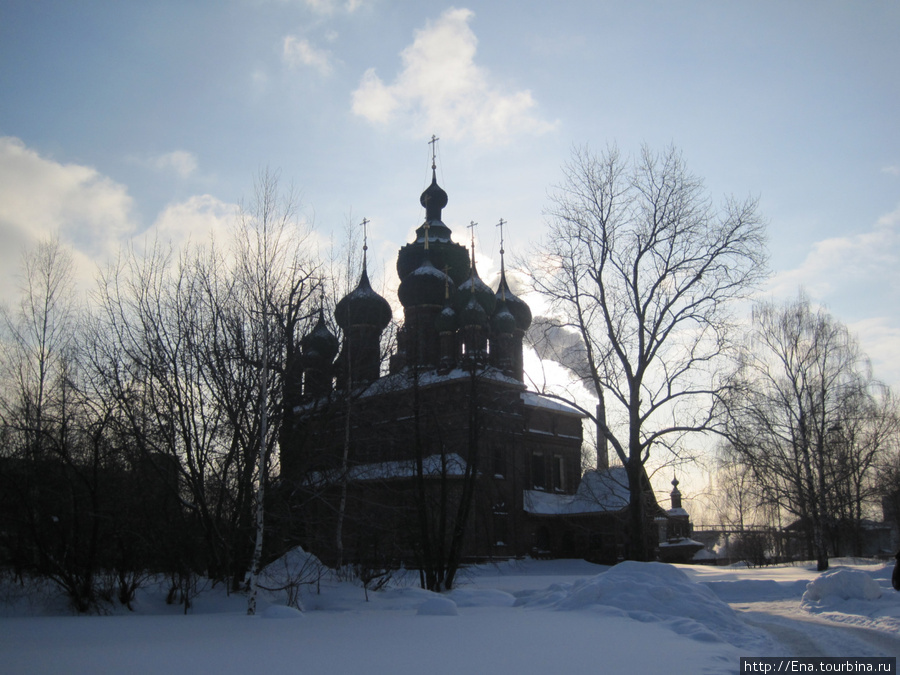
559	473
498	461
538	471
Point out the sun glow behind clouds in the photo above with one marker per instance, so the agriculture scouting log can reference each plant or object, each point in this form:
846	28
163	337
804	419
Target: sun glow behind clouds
442	88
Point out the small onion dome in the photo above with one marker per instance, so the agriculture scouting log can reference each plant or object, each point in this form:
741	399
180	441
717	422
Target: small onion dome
503	322
516	306
426	285
473	314
482	292
447	321
434	199
363	306
320	341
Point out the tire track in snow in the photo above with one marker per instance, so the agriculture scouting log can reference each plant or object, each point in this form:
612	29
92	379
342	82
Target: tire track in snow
808	636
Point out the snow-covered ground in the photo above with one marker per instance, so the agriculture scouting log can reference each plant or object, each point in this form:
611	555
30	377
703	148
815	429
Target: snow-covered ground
519	617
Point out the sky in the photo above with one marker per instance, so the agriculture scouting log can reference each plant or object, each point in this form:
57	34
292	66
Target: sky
123	120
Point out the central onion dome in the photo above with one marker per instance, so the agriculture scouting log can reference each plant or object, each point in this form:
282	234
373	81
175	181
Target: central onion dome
443	251
363	307
434	199
426	285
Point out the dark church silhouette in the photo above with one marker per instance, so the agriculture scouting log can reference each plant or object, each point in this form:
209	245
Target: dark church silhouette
370	458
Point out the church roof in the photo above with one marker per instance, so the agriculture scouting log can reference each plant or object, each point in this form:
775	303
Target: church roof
535	400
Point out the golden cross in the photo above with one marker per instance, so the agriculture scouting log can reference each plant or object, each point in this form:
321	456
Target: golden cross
433	144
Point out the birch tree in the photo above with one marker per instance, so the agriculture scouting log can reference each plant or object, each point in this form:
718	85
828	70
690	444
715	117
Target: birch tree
278	277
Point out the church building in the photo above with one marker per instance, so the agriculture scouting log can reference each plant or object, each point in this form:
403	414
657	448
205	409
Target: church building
445	446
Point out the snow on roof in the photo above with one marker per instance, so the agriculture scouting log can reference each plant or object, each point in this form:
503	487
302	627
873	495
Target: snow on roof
599	492
404	379
678	512
681	542
431	466
535	400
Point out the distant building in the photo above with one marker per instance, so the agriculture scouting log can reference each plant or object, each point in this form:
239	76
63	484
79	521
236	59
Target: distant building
371	458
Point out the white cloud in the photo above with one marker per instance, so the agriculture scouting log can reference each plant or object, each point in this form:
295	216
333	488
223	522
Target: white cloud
40	197
328	7
857	276
893	170
91	213
832	264
197	220
441	89
182	162
300	52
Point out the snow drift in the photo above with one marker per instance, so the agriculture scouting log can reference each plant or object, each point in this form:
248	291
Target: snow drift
647	592
839	585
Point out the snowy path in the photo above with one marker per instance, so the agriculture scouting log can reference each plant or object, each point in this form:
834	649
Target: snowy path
808	635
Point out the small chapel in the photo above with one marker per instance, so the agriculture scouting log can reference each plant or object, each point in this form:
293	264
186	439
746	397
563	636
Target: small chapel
439	439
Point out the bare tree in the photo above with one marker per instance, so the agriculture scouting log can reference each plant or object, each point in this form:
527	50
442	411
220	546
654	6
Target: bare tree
196	334
642	266
278	278
869	431
805	417
56	461
40	335
158	308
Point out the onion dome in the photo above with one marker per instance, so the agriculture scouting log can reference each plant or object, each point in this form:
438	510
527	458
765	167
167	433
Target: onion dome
447	321
474	286
434	199
320	341
473	314
516	306
443	253
363	306
675	495
426	285
503	322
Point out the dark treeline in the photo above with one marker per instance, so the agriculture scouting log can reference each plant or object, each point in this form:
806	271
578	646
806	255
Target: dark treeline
131	427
